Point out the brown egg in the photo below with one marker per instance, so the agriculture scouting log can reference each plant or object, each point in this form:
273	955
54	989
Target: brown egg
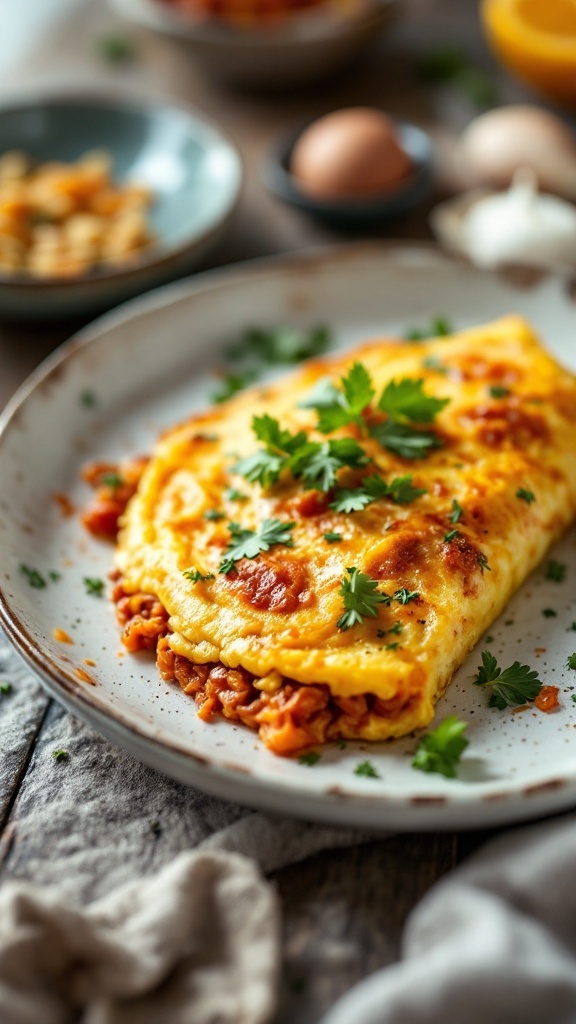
350	154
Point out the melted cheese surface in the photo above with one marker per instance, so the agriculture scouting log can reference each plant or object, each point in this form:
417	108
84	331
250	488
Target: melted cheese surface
278	612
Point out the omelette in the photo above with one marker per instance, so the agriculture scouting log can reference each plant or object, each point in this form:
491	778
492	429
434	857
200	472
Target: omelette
316	556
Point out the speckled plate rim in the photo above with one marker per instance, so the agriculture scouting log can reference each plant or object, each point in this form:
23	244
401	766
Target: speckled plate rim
377	812
160	256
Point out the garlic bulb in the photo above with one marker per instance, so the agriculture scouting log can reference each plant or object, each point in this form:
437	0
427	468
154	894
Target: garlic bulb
520	226
497	143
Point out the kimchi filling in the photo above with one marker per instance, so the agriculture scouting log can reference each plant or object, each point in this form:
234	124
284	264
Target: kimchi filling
292	717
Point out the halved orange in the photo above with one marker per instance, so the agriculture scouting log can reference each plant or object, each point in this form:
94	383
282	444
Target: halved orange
535	39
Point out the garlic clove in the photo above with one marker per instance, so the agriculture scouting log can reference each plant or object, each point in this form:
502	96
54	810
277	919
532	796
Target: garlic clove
497	143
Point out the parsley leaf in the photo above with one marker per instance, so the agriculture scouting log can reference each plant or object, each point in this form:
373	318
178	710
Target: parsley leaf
435	364
556	571
319	462
232	384
372	488
483	562
348	403
440	750
361	598
111	480
35	578
60	755
438	327
571	662
88	399
282	345
549	613
94	587
265	465
5	688
511	686
404	596
404	440
395	629
234	495
405	400
213	515
451	535
525	495
309	758
116	49
457	512
250	543
367	769
497	391
332	537
195	576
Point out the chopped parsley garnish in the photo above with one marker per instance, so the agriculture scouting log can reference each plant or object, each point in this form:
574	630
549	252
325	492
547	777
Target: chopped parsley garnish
571	662
451	67
54	576
116	49
213	515
571	628
250	543
35	578
232	384
396	629
440	750
332	537
393	646
60	755
372	488
339	406
405	596
94	587
435	364
451	535
195	576
316	462
88	399
489	639
497	391
309	758
232	494
483	562
549	613
405	400
361	598
111	480
279	346
556	571
573	698
525	495
405	440
5	688
511	686
439	327
367	769
457	512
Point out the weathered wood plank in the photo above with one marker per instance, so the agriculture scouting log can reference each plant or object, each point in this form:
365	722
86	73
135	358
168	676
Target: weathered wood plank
344	911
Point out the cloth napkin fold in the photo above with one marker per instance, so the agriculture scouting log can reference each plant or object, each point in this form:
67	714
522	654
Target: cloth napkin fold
493	943
197	944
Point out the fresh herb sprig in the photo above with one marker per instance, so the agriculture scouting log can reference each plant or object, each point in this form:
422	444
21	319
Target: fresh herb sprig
400	490
195	576
250	543
361	598
517	684
440	751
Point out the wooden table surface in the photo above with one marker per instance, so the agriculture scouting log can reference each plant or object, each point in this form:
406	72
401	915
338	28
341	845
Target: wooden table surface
343	910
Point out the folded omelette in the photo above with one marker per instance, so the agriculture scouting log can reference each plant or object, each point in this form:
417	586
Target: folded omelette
316	556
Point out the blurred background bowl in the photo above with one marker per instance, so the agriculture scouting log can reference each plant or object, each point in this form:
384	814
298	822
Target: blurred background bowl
192	169
296	47
356	214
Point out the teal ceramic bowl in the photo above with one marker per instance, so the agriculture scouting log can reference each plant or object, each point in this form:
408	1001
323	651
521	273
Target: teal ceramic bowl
194	172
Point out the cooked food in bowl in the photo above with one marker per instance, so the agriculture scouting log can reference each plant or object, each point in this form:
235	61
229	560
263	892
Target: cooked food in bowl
315	557
64	219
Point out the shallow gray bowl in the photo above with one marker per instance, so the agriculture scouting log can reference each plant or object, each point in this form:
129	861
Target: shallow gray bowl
194	172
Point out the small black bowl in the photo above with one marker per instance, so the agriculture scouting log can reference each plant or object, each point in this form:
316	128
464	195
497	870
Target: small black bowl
356	213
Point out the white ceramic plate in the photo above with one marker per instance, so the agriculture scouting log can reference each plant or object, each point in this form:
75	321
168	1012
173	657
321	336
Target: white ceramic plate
148	365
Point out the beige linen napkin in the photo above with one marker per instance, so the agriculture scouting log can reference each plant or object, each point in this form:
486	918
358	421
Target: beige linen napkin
197	944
